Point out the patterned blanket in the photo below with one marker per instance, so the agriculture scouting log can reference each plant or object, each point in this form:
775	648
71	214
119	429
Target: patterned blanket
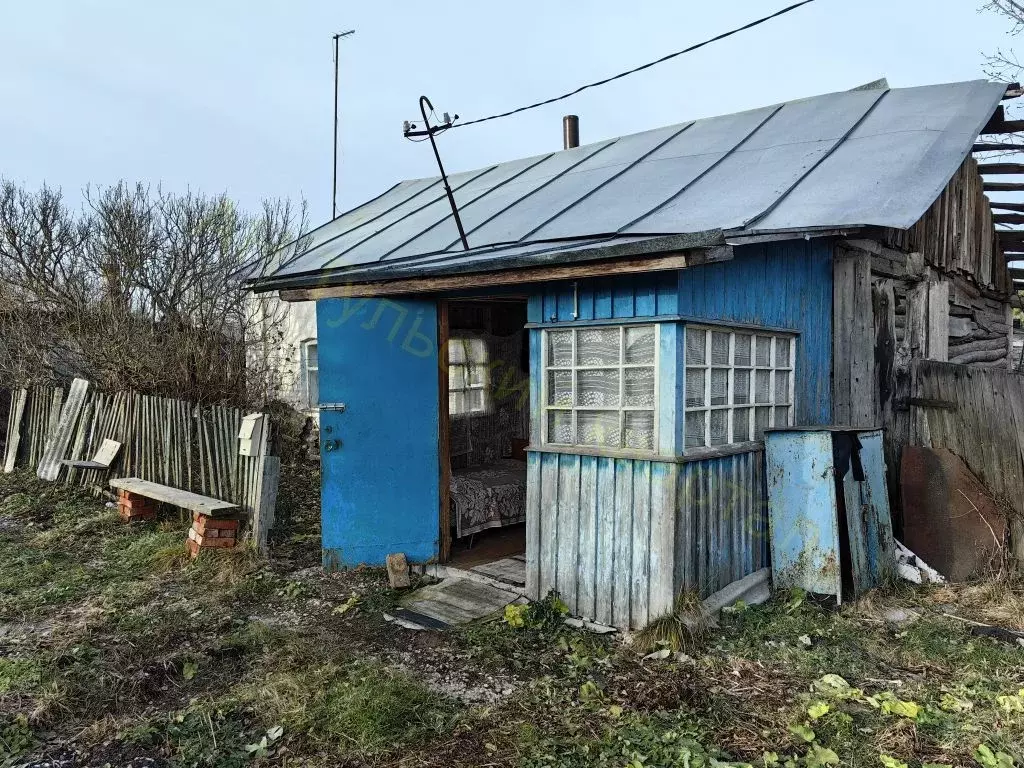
489	496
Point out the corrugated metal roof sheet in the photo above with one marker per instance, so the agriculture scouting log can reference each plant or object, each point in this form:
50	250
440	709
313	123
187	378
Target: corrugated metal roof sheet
855	158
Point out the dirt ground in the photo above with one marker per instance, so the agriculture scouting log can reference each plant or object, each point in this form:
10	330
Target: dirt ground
117	650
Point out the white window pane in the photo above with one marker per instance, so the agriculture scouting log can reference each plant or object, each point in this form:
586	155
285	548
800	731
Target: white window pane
782	386
741	425
640	344
719	348
639	386
695	387
559	347
719	427
764	351
640	430
476	400
762	386
313	388
560	388
477	350
598	428
476	375
456	403
781	416
782	347
560	426
719	386
761	422
741	354
312	356
456	377
695	428
598	388
741	387
456	351
695	346
598	346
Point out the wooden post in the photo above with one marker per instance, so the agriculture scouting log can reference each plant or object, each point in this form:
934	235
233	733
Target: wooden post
444	434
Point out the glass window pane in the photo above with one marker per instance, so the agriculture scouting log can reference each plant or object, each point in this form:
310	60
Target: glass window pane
719	427
477	350
695	428
456	351
640	344
597	388
639	385
761	422
762	386
477	375
456	377
741	354
597	346
719	386
312	357
719	348
313	386
559	347
456	403
782	347
741	387
560	426
476	400
782	386
764	351
781	416
694	387
640	430
560	388
695	346
598	428
741	425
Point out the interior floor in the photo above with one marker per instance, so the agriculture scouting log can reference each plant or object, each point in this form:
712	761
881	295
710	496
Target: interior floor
488	546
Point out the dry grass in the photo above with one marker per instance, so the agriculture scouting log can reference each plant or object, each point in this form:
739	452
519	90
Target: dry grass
685	629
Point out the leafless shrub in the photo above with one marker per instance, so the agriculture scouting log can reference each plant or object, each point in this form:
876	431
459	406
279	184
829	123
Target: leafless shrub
141	289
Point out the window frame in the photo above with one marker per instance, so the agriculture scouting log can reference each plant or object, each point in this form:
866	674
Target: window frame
620	368
484	387
306	368
708	365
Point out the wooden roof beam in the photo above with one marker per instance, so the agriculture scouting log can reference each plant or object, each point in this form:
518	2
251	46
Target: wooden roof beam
1008	218
1002	186
1001	168
996	205
997	147
1013	91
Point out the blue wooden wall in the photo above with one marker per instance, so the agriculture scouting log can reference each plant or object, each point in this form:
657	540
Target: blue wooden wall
380	487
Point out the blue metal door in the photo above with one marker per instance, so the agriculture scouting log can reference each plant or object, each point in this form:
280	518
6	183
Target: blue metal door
379	429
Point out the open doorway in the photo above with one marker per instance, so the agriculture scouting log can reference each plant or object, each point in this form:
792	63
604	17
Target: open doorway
485	424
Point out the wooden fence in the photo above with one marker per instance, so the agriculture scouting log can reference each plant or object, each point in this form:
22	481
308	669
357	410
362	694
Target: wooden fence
164	440
978	414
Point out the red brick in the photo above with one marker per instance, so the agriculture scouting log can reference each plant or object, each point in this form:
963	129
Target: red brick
193	548
137	502
206	523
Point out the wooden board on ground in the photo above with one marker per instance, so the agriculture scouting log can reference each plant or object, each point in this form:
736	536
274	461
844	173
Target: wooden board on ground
193	502
102	460
14	429
57	444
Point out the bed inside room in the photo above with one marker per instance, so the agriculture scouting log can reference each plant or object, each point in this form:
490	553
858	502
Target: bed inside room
488	429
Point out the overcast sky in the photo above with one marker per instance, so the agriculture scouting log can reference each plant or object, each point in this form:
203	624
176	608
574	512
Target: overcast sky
237	96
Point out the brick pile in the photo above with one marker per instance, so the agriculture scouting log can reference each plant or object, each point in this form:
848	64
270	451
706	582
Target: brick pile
210	533
131	506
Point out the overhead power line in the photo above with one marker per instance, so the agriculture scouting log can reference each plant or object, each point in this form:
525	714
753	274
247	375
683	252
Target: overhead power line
648	65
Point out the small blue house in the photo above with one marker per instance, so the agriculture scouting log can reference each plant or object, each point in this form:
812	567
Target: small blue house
587	386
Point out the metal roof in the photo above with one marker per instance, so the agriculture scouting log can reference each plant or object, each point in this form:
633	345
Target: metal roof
871	156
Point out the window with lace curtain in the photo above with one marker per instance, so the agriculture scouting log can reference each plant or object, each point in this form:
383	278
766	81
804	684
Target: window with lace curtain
738	383
468	390
600	386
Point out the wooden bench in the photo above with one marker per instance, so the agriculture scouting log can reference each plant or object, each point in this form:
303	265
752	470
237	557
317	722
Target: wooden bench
193	502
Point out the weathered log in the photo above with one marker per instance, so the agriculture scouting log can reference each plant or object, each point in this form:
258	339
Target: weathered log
981	356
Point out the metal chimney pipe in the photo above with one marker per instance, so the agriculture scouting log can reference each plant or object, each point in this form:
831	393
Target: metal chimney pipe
570	131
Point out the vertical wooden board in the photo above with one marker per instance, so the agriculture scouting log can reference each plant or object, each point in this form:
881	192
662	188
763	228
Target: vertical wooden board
587	558
938	321
18	398
61	435
568	529
667	293
606	565
444	434
669	392
664	481
682	549
862	345
586	300
641	547
842	318
566	301
645	304
622	586
536	371
623	299
548	545
603	301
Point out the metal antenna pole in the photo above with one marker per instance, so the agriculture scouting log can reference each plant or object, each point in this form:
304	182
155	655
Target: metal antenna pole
334	184
424	106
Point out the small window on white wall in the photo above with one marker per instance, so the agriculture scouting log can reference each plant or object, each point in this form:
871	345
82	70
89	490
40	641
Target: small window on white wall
600	386
311	371
468	390
738	383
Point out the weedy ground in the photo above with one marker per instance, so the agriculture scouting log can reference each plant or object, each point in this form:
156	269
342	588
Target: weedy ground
117	650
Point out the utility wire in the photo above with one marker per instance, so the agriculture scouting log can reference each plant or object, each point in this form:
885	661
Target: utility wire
715	39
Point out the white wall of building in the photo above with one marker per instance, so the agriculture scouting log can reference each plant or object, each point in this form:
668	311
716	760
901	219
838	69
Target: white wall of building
289	351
